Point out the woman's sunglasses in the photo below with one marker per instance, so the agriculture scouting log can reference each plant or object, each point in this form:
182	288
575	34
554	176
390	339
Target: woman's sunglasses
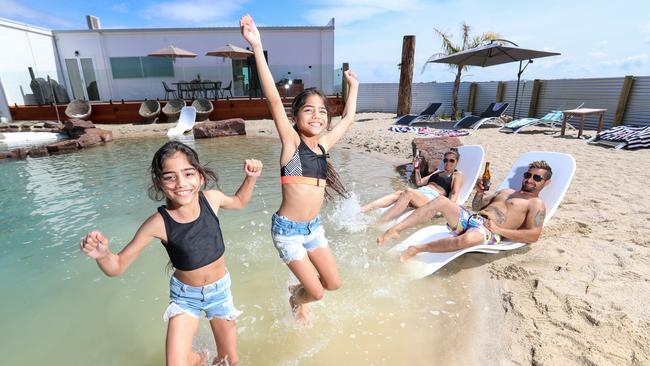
536	177
449	160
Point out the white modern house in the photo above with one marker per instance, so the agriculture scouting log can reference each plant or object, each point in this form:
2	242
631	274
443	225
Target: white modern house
112	64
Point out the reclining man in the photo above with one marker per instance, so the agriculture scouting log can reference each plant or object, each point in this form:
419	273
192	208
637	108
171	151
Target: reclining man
516	215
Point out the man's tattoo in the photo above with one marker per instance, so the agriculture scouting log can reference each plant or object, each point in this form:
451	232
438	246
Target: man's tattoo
477	202
539	218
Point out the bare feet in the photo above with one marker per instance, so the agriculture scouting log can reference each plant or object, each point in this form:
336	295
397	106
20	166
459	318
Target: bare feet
203	357
301	312
387	236
409	253
221	361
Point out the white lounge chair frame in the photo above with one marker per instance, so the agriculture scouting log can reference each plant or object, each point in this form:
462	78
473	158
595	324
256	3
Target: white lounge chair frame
470	163
185	122
563	166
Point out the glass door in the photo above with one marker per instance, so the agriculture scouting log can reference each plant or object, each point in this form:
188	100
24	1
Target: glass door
82	78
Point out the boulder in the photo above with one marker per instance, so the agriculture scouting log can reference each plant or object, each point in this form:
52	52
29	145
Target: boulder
39	151
432	150
5	155
63	147
76	127
19	153
227	127
89	139
53	125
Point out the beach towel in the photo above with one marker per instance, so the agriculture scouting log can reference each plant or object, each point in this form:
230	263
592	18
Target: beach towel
628	137
431	132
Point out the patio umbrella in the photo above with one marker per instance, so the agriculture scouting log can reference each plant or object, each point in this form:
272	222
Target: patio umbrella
173	53
233	52
495	53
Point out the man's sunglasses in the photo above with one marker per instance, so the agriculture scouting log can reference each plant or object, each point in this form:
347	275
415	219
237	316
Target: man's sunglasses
449	160
536	177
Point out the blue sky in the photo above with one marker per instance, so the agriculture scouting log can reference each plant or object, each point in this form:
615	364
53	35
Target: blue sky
596	38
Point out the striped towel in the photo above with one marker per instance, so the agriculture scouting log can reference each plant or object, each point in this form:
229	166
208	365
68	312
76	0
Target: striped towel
633	137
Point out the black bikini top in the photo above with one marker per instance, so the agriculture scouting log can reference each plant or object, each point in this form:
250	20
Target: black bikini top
443	181
194	244
306	167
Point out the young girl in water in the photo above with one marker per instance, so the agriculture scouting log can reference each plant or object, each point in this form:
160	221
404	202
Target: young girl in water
188	228
296	227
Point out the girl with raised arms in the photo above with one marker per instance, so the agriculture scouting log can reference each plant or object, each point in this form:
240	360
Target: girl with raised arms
188	228
305	174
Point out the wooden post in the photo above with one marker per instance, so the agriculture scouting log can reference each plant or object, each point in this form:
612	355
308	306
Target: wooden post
473	87
622	100
532	109
501	88
344	89
406	76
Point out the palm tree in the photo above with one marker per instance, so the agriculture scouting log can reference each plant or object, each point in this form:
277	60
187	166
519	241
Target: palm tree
449	48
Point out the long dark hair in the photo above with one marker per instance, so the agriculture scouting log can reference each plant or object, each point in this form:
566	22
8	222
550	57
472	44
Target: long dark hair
333	178
170	148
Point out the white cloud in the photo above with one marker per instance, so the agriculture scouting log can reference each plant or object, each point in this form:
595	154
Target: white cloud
16	10
120	8
597	54
628	63
200	11
351	11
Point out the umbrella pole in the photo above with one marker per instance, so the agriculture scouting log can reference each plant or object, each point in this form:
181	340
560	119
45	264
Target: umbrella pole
514	115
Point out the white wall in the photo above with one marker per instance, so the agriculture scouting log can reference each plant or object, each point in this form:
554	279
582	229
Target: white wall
290	49
23	46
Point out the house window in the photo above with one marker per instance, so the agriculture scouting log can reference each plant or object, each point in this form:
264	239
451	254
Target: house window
141	67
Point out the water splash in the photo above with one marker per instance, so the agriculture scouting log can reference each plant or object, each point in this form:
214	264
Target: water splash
346	215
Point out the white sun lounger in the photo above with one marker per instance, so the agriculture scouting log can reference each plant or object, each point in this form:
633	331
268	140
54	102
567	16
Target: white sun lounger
470	163
185	122
563	166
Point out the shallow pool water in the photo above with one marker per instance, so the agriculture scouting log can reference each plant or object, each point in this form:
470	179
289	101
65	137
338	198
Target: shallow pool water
58	308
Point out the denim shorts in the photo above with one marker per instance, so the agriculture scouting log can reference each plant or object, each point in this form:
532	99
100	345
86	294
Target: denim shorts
428	192
215	299
293	239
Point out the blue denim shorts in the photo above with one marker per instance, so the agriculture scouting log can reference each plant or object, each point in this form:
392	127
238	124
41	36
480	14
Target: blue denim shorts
215	299
428	192
293	239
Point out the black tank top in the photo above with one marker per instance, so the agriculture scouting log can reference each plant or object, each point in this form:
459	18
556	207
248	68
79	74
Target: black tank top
443	181
194	244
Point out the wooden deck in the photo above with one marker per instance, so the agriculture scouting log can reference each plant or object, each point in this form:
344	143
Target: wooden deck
127	111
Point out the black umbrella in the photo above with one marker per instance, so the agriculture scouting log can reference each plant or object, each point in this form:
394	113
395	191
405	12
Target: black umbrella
495	53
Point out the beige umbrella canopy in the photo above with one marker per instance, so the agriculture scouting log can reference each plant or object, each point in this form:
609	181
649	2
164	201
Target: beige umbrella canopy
230	51
173	53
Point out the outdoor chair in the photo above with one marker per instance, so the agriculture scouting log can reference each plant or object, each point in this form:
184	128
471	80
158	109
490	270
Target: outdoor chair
185	122
203	108
428	114
184	89
149	110
78	109
208	87
227	89
424	264
169	91
173	109
492	114
552	119
470	164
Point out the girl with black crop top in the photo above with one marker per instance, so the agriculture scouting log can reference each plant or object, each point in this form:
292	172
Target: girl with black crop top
188	228
306	175
446	182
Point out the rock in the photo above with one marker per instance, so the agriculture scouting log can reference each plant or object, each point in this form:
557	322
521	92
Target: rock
89	139
19	153
39	151
62	147
53	125
8	128
432	150
77	127
5	155
228	127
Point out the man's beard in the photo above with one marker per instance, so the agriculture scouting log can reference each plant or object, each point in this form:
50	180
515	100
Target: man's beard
529	189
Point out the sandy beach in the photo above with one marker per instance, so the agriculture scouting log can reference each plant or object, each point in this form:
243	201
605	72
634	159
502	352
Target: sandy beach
578	295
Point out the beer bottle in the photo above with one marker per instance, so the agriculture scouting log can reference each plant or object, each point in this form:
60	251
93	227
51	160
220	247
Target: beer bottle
486	176
416	160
